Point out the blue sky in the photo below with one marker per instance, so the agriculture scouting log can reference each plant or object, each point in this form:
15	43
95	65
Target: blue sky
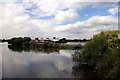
59	19
89	11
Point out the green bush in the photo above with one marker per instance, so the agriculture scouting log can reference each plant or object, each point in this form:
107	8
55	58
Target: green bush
102	52
19	41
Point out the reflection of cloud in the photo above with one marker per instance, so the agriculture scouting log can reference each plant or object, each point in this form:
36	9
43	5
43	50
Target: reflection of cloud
66	53
36	65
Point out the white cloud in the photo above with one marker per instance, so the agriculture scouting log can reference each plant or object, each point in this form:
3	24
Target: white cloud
49	8
62	28
19	23
102	20
65	16
89	27
1	17
13	19
113	10
60	0
91	22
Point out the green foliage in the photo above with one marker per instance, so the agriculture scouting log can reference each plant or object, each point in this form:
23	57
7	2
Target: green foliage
76	56
94	49
68	46
102	52
26	39
16	41
63	40
26	44
53	45
20	41
107	67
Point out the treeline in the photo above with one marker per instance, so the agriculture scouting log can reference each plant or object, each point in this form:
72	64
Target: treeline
27	43
62	40
4	40
78	40
102	52
20	41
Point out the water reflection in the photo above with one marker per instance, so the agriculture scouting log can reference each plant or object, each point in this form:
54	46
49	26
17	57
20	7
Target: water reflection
56	64
83	71
31	65
28	49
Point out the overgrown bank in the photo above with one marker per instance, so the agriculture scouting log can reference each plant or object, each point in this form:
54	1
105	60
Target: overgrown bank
102	53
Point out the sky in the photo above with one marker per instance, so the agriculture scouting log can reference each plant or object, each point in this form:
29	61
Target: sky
54	18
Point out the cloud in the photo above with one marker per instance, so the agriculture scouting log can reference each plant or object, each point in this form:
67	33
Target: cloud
1	17
66	16
13	19
59	0
89	27
34	19
52	8
113	10
102	20
91	22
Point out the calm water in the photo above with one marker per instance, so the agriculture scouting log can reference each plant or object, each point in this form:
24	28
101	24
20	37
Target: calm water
76	43
18	63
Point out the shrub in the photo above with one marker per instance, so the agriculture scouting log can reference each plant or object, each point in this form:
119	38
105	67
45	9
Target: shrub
102	53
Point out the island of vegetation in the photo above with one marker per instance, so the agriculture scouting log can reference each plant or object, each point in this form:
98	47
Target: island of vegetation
102	52
27	42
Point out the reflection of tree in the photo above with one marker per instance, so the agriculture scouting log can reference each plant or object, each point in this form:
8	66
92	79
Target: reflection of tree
28	49
84	72
18	48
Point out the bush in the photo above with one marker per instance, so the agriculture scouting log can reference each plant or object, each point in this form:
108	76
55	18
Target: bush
102	53
19	41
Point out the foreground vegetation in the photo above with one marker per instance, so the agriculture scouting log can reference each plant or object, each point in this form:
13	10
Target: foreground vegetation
102	53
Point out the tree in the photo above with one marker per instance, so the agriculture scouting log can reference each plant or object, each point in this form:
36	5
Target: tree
94	49
102	53
54	37
19	41
28	39
63	40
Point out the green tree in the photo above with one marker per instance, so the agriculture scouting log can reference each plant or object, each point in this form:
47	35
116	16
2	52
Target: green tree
102	53
19	41
28	39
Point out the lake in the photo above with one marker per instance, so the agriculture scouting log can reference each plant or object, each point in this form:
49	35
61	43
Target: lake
17	63
76	43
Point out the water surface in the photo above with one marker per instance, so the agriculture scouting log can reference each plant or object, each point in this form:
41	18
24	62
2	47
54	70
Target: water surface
41	64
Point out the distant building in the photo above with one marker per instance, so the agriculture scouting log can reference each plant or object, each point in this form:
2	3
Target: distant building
55	39
42	41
